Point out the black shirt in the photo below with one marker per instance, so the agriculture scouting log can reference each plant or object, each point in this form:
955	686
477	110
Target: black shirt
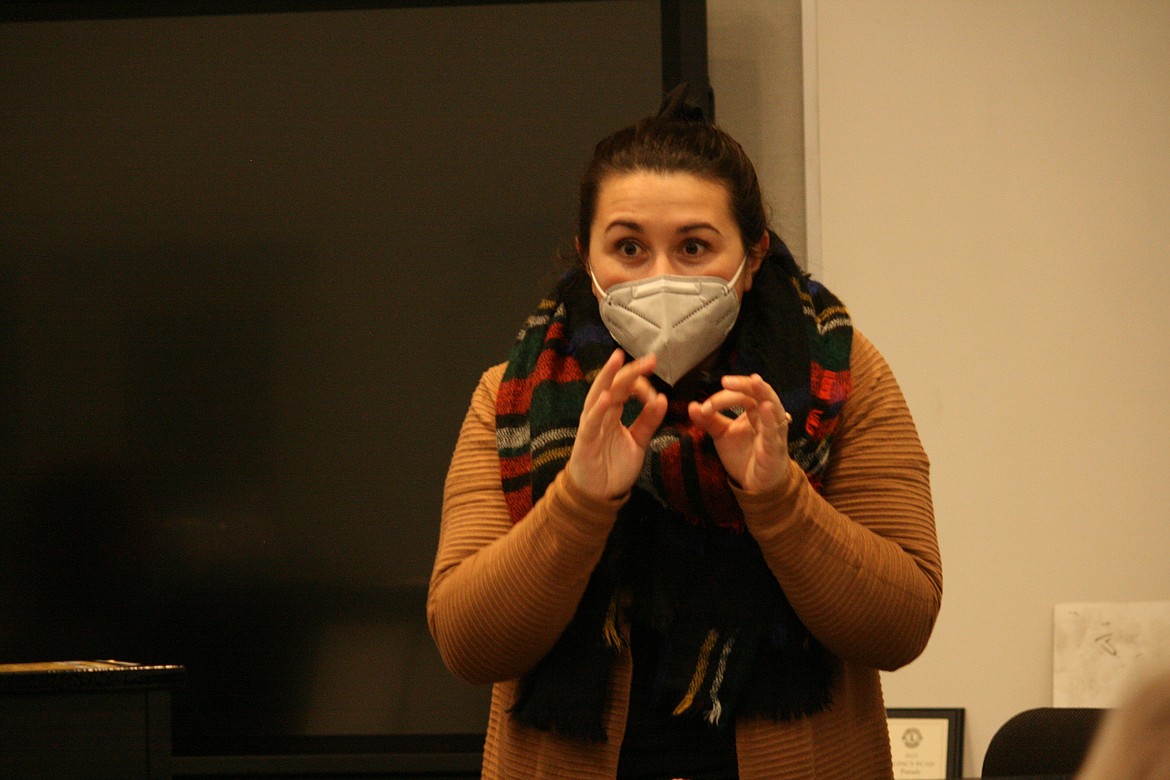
660	746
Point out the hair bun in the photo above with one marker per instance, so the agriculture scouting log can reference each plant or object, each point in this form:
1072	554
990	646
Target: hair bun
676	106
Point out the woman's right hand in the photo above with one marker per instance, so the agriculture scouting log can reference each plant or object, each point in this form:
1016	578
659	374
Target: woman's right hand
607	456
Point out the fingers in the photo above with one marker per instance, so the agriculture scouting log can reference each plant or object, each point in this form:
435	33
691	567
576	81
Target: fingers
604	378
631	381
614	385
707	417
752	393
760	404
647	422
607	455
753	387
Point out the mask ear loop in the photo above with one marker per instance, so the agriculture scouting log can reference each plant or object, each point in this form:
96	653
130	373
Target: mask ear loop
596	284
738	272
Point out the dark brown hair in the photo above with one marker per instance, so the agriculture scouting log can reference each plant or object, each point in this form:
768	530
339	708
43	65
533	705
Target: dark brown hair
676	141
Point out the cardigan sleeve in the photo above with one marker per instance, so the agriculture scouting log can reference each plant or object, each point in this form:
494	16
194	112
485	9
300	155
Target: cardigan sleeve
860	563
501	593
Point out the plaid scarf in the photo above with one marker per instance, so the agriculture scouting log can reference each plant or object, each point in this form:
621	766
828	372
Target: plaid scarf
678	559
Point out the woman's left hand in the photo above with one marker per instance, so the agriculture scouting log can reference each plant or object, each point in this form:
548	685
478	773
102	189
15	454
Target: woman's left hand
754	445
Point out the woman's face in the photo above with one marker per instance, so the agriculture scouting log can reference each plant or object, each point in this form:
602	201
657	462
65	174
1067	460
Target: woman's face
648	224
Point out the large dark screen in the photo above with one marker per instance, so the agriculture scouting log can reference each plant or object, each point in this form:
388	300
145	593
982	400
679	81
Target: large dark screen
251	267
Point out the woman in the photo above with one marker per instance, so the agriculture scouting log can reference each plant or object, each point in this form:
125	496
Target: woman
689	520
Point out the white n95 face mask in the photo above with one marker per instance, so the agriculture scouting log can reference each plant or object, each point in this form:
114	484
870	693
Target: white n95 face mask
681	319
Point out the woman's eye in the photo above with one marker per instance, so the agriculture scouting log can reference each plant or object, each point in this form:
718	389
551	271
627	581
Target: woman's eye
693	248
628	248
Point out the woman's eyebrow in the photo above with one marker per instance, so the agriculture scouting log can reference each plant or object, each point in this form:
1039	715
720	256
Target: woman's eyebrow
621	223
698	226
693	227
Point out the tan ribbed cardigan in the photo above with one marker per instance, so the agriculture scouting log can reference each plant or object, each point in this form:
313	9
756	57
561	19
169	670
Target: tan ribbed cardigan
860	565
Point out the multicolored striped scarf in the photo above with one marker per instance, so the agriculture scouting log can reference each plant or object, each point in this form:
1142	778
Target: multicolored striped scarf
678	559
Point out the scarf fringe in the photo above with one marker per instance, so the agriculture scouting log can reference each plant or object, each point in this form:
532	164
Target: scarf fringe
716	712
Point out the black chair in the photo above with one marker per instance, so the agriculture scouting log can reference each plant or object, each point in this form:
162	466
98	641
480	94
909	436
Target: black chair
1046	742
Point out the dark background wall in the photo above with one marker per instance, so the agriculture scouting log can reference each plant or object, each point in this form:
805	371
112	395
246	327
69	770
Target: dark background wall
251	267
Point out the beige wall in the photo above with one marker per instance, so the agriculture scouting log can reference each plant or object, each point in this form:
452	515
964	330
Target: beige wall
990	194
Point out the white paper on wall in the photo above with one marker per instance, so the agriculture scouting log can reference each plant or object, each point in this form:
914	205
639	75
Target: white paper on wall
1100	648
